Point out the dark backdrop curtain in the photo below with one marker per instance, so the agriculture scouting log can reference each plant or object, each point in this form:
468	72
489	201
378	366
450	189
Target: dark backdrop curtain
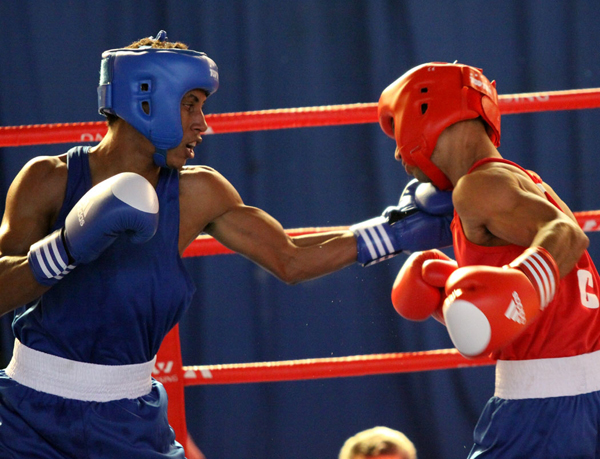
274	54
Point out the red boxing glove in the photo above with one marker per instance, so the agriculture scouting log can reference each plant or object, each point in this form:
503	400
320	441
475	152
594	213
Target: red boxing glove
488	307
418	290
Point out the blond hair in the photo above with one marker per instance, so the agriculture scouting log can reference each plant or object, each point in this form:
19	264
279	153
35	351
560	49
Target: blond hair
376	442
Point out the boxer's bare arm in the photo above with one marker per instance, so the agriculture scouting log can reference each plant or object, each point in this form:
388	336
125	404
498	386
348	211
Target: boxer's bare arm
499	206
32	204
210	203
259	237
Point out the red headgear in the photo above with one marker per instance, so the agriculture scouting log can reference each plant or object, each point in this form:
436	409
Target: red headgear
419	105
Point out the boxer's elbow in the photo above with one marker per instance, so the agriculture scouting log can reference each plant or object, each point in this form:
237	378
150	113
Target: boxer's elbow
576	240
291	269
289	274
569	245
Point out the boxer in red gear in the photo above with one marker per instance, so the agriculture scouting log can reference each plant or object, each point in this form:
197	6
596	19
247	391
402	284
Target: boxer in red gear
524	270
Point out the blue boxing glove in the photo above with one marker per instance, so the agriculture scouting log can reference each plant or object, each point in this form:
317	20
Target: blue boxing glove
123	204
420	221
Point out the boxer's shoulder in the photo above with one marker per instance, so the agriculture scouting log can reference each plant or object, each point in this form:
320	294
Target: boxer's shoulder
201	182
45	171
40	186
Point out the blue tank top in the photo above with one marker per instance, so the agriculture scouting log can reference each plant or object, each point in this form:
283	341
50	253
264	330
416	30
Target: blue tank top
117	309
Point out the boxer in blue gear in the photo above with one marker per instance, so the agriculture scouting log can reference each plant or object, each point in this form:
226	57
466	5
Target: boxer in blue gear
87	317
90	261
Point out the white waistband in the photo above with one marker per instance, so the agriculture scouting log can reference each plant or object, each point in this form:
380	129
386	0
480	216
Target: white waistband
543	378
78	380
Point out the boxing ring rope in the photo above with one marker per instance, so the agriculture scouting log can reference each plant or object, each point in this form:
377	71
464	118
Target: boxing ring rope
330	367
39	134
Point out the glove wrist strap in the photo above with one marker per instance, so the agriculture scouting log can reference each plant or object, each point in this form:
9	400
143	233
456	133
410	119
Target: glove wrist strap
541	270
373	241
49	259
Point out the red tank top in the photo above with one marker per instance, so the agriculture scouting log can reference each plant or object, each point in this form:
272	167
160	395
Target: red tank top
570	324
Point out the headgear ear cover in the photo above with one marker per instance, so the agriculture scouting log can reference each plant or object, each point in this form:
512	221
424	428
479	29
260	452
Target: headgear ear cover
418	106
145	86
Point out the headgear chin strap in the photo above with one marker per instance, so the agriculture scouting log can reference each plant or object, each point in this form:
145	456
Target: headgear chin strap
427	99
145	86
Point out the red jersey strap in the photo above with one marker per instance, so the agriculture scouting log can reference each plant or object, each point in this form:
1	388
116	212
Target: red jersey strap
532	175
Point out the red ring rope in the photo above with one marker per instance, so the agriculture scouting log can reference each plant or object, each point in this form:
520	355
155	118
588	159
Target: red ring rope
358	365
38	134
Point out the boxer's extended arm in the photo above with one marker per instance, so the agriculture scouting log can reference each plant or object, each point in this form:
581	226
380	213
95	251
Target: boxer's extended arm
256	235
210	204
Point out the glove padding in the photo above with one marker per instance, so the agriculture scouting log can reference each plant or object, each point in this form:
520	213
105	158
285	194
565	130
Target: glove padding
418	291
488	307
123	204
418	196
420	221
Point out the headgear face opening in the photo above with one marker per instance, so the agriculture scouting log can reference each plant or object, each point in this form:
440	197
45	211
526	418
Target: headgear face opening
416	108
145	86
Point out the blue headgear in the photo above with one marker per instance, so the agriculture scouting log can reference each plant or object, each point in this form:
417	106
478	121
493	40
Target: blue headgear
145	86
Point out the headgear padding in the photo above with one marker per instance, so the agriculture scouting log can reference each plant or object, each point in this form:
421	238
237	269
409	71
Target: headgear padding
145	87
427	99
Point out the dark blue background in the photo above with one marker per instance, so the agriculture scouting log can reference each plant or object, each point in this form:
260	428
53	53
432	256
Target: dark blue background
274	54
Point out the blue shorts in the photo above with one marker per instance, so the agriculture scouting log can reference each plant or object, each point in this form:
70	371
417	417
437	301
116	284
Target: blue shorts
555	427
36	425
